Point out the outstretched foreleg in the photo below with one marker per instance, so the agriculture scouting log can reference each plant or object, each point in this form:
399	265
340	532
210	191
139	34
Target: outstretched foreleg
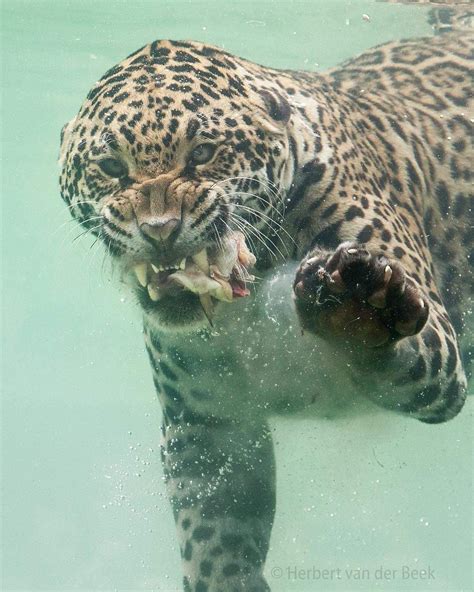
221	481
401	346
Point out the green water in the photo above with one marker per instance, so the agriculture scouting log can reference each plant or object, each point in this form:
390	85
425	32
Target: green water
83	496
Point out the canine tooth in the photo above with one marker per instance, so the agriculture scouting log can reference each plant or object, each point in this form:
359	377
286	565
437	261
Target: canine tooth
387	273
201	260
207	306
182	265
140	272
155	269
352	251
153	293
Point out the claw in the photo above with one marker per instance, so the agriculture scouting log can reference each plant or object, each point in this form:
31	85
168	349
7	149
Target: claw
379	298
337	283
207	307
311	261
322	273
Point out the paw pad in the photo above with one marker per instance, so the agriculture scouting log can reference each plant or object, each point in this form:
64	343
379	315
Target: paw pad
354	294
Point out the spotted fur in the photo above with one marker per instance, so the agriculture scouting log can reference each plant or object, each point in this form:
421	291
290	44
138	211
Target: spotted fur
334	178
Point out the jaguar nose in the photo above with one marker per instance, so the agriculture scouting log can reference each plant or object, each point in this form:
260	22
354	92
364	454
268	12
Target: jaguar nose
160	230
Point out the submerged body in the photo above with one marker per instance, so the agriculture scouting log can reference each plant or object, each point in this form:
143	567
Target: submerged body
254	362
360	179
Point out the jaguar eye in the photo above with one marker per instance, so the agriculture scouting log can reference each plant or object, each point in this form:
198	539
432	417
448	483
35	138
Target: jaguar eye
113	167
203	153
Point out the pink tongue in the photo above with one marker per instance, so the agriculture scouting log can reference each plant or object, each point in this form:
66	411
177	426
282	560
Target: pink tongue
238	290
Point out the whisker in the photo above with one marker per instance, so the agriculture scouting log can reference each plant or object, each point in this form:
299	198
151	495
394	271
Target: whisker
105	257
86	232
261	199
65	238
260	217
257	230
275	234
99	246
258	235
241	223
71	206
272	187
218	237
270	221
248	239
252	230
71	221
270	197
276	194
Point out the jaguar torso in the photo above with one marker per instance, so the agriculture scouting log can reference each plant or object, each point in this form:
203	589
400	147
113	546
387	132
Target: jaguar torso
354	191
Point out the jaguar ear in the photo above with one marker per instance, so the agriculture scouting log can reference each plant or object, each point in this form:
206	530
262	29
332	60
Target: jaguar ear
65	139
276	105
277	111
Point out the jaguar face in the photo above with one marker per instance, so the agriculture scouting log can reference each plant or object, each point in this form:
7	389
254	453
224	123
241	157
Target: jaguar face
172	149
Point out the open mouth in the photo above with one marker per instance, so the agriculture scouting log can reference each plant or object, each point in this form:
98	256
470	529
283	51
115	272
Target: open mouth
212	275
155	277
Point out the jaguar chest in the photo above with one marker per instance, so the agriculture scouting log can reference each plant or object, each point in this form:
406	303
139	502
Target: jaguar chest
254	362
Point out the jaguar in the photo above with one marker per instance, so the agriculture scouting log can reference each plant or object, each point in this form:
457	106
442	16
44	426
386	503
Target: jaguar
352	189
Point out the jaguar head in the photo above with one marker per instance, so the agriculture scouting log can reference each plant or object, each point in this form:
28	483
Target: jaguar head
174	148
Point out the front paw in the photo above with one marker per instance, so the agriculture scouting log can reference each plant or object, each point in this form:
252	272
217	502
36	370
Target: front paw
358	297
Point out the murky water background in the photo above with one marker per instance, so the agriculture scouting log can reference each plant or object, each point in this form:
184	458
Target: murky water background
83	497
